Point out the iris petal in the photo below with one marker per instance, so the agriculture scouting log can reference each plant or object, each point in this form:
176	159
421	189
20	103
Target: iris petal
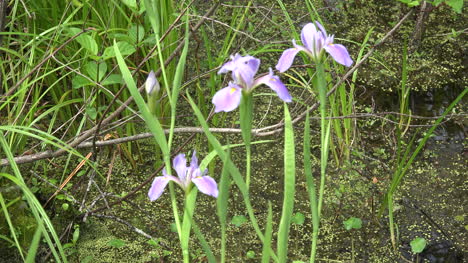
276	85
228	98
339	53
321	28
228	66
243	69
194	161
180	165
308	34
157	188
151	84
286	59
246	68
206	185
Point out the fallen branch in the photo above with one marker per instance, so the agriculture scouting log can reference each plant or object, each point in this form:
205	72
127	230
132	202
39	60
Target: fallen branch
256	132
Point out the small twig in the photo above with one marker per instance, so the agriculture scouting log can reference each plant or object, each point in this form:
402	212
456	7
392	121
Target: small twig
93	203
70	197
132	227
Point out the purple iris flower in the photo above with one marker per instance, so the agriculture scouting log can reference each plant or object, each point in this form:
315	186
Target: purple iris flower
243	72
315	40
151	84
186	176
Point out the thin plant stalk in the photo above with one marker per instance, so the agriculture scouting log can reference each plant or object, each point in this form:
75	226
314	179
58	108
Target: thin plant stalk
222	203
311	189
268	233
246	112
405	90
155	128
321	85
189	204
289	187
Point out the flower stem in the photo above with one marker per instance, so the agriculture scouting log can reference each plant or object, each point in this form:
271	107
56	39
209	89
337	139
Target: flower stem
246	112
321	85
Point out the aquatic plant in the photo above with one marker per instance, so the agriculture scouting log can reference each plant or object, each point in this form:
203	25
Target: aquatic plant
243	71
315	43
152	88
186	176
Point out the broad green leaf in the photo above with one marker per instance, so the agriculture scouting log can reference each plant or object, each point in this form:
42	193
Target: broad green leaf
136	33
352	223
456	5
76	235
130	3
124	47
85	40
418	244
298	218
96	71
92	112
88	43
112	79
250	254
238	220
117	243
121	37
80	81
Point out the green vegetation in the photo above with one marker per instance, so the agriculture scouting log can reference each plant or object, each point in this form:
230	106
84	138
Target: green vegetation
80	142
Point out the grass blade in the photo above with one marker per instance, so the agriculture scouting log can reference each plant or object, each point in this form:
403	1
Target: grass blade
222	204
311	189
289	187
268	233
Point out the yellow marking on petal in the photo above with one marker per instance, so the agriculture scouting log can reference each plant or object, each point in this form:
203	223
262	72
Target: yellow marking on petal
272	79
232	90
